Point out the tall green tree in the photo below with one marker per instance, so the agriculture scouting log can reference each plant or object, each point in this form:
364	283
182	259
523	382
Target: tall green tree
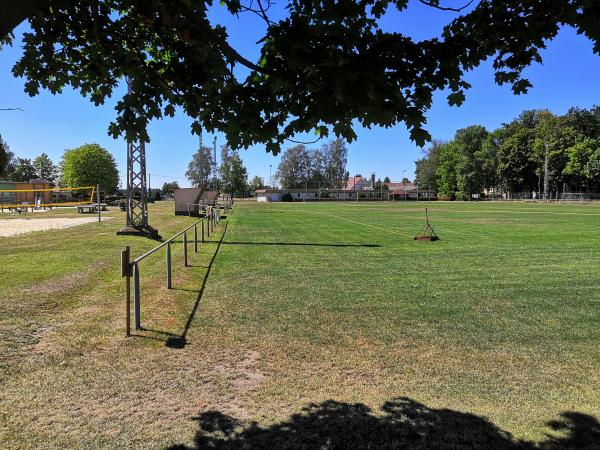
470	141
45	168
23	170
552	139
426	167
516	167
335	159
88	165
592	170
447	173
519	165
318	168
579	168
7	160
234	176
169	188
583	121
256	183
200	167
294	167
322	65
488	158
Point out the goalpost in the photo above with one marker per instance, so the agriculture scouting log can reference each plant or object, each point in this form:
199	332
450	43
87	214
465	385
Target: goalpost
46	198
574	197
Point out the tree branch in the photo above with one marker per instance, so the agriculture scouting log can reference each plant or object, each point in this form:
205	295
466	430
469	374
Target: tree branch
202	25
12	13
11	109
305	143
445	8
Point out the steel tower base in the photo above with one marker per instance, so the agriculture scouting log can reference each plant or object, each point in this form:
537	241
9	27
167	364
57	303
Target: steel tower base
146	231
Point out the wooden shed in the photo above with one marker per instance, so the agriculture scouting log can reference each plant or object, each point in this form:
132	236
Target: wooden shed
210	198
188	201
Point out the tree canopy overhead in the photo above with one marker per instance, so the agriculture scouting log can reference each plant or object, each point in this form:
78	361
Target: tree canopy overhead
323	67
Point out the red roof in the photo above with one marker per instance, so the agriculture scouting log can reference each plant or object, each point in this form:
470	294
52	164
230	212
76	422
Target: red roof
352	182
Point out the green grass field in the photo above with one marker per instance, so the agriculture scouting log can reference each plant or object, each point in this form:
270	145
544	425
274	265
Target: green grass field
316	325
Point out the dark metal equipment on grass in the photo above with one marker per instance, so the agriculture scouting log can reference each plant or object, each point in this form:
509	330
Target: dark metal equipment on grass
427	233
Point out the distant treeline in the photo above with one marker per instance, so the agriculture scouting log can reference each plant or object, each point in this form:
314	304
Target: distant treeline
537	152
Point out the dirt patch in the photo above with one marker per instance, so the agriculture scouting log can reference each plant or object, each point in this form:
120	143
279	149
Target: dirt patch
241	374
21	342
15	227
68	282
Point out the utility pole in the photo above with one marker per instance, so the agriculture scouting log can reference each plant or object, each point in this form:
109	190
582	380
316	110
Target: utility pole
137	193
270	177
216	187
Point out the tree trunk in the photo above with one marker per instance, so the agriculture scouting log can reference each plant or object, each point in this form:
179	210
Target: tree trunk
12	13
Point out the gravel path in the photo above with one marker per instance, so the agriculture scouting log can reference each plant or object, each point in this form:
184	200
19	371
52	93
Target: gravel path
14	227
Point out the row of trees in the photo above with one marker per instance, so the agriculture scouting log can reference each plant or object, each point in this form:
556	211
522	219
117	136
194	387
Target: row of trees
24	169
325	167
87	165
536	152
231	177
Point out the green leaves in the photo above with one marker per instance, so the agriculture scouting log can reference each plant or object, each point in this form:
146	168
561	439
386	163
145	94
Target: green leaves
88	165
521	87
456	98
327	65
420	136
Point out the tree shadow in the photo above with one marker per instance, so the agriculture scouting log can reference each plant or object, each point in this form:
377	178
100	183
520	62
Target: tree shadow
582	430
402	423
310	244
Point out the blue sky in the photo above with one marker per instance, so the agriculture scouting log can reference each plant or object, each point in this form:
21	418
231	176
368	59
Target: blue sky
568	77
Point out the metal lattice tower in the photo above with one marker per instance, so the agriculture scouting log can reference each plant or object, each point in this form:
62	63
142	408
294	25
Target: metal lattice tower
214	165
137	194
137	191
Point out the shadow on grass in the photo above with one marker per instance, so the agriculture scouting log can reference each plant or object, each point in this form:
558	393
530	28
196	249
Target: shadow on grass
184	289
180	341
402	424
310	244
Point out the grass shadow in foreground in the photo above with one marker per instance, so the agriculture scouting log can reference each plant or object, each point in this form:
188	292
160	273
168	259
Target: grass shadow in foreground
402	424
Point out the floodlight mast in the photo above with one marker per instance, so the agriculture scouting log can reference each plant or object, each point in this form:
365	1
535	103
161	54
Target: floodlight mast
137	192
